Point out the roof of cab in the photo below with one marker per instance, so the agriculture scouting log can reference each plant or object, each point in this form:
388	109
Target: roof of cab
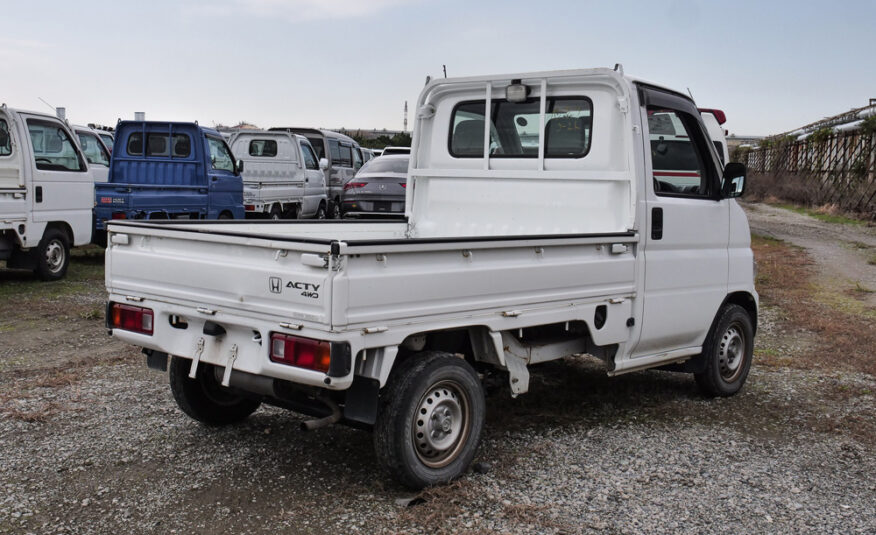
205	129
319	131
569	73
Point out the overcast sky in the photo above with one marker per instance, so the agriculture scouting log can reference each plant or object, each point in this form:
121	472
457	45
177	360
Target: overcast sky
771	65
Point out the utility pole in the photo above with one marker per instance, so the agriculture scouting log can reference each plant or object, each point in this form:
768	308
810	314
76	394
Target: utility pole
406	116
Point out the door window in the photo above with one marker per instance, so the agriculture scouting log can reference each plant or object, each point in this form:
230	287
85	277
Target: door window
357	158
346	156
310	161
335	152
53	150
677	154
220	156
93	149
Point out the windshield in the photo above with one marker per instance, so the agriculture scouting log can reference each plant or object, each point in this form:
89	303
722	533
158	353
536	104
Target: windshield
386	165
93	149
107	140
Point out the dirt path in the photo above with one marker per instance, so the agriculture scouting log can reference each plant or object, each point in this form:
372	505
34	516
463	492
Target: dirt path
842	253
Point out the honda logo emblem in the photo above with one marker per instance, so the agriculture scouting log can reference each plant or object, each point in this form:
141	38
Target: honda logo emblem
382	186
276	284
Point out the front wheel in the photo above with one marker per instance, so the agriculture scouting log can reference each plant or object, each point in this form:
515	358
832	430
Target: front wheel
336	209
204	398
53	255
430	420
320	212
728	351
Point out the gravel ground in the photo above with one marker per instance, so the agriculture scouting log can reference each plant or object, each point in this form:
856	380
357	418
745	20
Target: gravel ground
101	448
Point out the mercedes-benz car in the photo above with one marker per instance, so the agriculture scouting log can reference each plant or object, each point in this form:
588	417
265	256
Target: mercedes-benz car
378	189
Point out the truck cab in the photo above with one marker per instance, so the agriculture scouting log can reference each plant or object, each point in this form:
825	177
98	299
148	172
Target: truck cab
95	150
282	178
163	170
46	192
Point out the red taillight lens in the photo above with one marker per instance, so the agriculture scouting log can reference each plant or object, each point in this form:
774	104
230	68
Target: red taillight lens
719	114
120	215
403	184
131	318
351	185
249	207
301	352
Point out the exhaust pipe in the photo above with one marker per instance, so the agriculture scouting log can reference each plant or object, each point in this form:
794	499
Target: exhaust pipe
332	418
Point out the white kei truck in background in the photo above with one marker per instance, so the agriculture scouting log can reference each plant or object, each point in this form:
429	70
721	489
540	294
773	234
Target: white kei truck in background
282	177
536	228
46	193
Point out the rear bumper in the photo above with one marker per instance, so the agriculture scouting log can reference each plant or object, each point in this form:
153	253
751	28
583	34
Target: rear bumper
245	343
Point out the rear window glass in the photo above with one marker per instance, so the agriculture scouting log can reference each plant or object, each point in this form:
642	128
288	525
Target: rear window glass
263	147
514	128
386	165
158	144
5	139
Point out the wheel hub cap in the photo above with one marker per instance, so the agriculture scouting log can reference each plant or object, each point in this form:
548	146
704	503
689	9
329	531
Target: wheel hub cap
731	352
440	425
54	255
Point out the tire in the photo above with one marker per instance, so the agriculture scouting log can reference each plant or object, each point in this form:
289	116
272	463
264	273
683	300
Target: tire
728	352
225	215
292	213
320	212
336	209
53	255
204	398
276	214
431	394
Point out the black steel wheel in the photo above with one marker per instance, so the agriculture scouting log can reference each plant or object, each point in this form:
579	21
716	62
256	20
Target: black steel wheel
204	398
430	420
728	352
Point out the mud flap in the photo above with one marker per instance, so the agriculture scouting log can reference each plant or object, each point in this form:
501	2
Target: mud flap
360	404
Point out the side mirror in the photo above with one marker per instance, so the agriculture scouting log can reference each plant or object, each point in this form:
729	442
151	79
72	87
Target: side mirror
323	164
239	166
734	180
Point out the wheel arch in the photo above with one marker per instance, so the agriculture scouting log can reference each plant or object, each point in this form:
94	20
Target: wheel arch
746	301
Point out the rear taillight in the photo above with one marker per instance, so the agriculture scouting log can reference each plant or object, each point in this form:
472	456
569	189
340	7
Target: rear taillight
301	352
351	185
403	184
719	114
130	318
120	215
249	207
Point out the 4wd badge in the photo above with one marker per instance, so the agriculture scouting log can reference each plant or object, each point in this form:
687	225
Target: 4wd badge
308	290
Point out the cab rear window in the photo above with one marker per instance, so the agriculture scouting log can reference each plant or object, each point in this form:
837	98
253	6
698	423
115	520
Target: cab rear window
263	147
160	144
514	128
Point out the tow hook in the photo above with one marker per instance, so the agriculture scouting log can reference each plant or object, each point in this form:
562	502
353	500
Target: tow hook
332	418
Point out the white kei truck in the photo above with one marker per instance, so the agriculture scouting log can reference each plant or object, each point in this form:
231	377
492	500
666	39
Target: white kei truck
282	177
537	227
46	193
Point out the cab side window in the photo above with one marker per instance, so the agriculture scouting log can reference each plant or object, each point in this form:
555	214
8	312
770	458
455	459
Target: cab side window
93	149
309	158
53	150
678	157
220	156
5	139
357	158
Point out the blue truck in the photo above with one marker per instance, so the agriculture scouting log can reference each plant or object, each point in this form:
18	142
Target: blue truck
162	170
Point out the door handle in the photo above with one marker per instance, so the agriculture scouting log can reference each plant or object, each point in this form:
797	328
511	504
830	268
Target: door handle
39	194
656	223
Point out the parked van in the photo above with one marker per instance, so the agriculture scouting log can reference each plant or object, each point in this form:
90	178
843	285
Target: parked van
169	171
46	193
343	158
282	178
539	225
96	152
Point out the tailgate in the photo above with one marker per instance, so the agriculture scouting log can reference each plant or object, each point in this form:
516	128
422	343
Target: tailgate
221	271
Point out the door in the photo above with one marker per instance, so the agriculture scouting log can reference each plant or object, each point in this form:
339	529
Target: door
62	187
226	187
687	231
314	181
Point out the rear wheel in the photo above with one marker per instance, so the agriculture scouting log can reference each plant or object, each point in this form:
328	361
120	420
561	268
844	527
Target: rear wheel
430	420
276	213
225	215
204	398
336	209
728	351
320	212
53	255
